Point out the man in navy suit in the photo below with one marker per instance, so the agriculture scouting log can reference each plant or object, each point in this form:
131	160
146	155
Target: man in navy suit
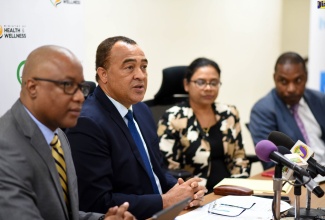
109	166
273	112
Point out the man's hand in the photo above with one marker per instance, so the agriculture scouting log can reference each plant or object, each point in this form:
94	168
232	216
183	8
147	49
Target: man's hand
182	190
119	213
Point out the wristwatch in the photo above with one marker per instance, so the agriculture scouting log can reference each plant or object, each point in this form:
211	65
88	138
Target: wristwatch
102	217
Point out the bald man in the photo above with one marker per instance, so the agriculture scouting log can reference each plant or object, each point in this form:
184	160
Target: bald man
51	97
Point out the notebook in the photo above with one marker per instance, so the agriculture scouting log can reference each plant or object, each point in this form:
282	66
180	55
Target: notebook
171	212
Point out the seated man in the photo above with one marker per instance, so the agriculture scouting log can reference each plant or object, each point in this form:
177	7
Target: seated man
115	143
291	108
37	176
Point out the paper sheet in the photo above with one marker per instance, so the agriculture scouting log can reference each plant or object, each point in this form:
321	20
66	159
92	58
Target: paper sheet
261	210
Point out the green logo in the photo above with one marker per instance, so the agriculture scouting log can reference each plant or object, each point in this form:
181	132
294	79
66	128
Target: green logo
22	63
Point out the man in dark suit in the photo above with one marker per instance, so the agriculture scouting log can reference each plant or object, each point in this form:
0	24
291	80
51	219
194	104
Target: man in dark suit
275	111
109	164
51	96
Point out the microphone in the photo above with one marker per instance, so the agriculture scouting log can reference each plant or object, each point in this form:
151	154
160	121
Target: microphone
267	151
280	139
312	186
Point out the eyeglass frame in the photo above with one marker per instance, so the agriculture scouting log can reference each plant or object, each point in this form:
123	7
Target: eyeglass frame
205	84
82	86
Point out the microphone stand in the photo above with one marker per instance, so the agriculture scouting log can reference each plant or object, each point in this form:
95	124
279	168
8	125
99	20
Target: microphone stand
304	213
308	212
308	200
277	188
297	192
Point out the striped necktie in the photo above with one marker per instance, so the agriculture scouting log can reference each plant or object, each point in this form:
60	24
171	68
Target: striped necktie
300	124
58	155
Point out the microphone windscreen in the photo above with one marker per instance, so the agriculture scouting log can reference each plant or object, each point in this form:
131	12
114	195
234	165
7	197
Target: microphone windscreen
281	139
283	150
263	150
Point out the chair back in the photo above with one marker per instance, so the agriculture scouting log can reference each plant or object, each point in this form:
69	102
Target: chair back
170	92
92	86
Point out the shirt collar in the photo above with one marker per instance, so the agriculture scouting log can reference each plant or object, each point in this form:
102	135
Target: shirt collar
301	102
120	108
47	133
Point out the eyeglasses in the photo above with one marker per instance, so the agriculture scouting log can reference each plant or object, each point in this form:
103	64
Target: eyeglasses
69	87
201	83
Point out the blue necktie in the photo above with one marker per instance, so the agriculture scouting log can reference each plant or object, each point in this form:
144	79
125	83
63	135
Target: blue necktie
138	142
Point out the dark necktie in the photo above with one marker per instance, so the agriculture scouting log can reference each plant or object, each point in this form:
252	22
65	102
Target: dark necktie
143	153
300	124
58	155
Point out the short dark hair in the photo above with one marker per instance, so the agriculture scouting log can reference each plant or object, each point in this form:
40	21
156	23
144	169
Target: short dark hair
103	52
290	57
200	62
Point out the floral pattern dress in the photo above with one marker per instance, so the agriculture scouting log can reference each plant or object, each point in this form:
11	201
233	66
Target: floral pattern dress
211	155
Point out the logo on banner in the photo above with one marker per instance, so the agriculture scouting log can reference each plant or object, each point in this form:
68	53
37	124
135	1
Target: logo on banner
13	31
55	2
1	31
321	4
20	70
71	1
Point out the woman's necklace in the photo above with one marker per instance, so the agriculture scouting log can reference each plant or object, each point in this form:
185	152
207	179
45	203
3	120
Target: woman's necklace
206	130
205	118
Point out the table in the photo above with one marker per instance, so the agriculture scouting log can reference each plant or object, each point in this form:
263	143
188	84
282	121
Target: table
315	201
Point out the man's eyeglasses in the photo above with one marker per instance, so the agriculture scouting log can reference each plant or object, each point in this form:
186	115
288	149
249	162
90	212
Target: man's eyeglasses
69	87
201	83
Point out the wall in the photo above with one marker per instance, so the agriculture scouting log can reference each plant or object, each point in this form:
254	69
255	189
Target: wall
295	26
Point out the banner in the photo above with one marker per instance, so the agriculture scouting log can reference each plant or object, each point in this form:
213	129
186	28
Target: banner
316	61
26	25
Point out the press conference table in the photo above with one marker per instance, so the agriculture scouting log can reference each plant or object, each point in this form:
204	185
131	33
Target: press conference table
315	201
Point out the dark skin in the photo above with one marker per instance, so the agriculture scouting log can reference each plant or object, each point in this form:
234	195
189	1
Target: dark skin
290	82
48	102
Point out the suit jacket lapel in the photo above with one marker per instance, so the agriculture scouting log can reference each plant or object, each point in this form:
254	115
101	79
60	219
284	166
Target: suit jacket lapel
317	108
154	159
38	142
116	117
71	175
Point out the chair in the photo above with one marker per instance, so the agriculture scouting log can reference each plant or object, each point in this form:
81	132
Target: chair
170	93
252	157
92	86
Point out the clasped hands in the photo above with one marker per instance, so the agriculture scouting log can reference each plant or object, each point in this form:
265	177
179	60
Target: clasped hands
119	213
184	189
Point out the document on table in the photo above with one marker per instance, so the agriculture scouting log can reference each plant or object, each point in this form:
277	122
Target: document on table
319	178
240	207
